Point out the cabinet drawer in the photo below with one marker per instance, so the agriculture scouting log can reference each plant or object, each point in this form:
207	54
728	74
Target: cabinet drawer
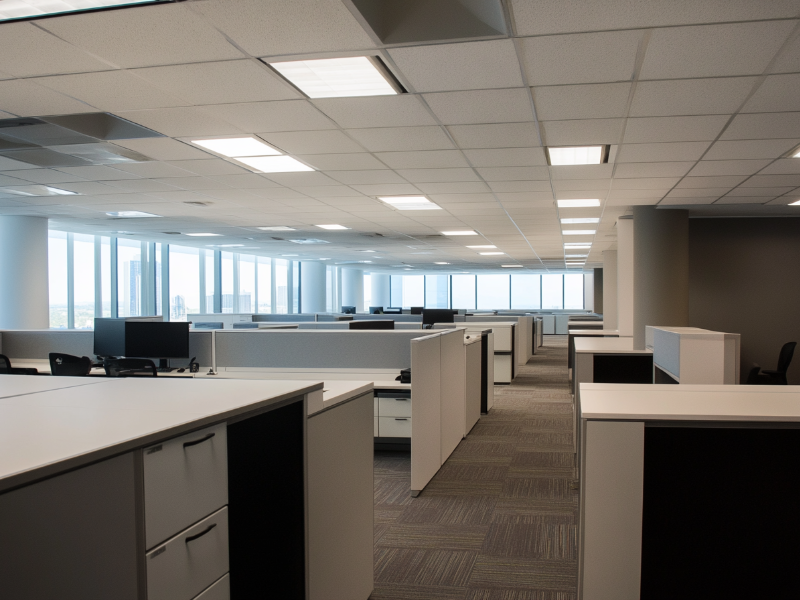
376	427
395	427
185	479
187	564
395	407
221	590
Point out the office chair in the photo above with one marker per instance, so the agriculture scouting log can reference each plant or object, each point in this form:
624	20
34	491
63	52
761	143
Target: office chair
68	365
778	376
755	377
7	369
123	367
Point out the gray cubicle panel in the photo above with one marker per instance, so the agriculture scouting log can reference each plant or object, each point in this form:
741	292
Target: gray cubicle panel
301	318
395	318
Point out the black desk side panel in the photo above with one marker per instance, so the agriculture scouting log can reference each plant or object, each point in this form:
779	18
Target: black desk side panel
266	501
623	368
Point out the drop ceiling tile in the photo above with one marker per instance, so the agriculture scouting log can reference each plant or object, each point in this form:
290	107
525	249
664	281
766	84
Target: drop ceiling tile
208	167
582	172
785	166
713	50
97	173
599	193
276	27
327	191
143	186
705	192
673	129
191	183
164	148
670	151
519	186
28	51
386	189
763	126
772	180
658	169
760	191
707	168
521	199
301	178
437	175
778	93
513	173
728	181
246	181
718	96
285	115
43	176
279	193
454	187
678	201
180	122
387	139
629	202
506	157
653	183
595	101
313	142
220	82
428	159
366	177
481	106
583	184
378	111
503	135
163	34
152	169
750	149
464	66
26	98
589	131
342	162
88	188
743	200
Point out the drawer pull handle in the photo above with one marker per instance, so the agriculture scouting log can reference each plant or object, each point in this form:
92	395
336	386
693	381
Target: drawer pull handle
200	441
401	399
401	419
192	538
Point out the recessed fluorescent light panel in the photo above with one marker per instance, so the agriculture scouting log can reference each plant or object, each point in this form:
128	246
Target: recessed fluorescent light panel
226	245
276	228
577	155
578	232
338	77
491	253
576	221
441	263
204	234
796	203
577	245
463	232
11	10
409	202
35	190
583	203
511	266
484	247
237	147
131	214
274	164
309	241
332	227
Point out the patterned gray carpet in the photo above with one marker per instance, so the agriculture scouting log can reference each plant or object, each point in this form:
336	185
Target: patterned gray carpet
498	522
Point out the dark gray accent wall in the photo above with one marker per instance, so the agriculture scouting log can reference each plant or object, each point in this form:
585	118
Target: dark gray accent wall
598	291
744	277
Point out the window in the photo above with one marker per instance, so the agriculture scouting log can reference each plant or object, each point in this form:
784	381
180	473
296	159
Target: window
247	283
281	286
129	278
463	291
184	282
396	290
437	291
573	291
83	281
105	277
295	287
57	273
332	288
525	291
493	292
207	264
155	263
367	290
413	291
227	282
552	292
264	266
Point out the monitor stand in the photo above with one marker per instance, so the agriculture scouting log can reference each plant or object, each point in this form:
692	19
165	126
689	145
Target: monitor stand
163	365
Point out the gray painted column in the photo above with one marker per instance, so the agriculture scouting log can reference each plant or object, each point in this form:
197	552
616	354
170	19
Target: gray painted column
25	300
598	292
380	290
312	287
660	270
610	289
625	276
353	288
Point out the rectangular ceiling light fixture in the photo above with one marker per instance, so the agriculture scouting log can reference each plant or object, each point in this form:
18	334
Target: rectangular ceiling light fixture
796	203
276	228
584	203
578	232
204	234
237	147
441	263
511	266
332	227
12	10
339	77
36	190
409	202
131	214
575	221
577	155
460	232
577	245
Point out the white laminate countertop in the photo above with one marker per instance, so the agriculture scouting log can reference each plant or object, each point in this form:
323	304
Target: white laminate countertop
18	385
48	432
605	401
598	345
570	324
594	332
335	392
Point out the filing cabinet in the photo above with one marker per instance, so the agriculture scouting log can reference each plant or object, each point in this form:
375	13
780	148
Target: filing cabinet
393	414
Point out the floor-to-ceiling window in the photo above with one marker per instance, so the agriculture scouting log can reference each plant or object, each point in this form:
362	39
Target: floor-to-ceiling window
57	271
525	292
281	286
493	292
83	266
413	291
184	282
552	292
129	278
463	291
264	266
437	291
247	283
573	291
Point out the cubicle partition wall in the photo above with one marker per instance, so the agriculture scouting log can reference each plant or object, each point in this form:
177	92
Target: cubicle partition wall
693	355
506	345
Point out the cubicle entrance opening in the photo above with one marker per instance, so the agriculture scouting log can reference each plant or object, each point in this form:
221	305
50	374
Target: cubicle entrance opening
721	512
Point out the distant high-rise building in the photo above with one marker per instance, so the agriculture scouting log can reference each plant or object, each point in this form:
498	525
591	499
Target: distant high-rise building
178	311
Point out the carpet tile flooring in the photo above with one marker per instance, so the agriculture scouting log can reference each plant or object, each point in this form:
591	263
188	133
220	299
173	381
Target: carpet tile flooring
499	519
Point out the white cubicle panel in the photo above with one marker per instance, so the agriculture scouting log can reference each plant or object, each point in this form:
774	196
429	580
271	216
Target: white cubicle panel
227	319
693	355
472	383
426	415
453	392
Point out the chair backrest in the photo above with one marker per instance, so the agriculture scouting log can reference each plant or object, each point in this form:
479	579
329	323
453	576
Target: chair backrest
785	358
67	365
5	364
752	376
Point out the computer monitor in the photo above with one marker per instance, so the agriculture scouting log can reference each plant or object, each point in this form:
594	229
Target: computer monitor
349	310
157	340
373	324
109	337
416	310
376	310
437	315
390	310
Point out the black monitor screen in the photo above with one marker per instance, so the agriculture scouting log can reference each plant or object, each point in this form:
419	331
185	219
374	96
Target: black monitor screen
416	310
109	337
156	340
437	315
376	310
349	310
376	324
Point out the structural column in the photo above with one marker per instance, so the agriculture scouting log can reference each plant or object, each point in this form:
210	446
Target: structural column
25	300
312	287
380	290
660	270
625	276
609	289
353	288
598	292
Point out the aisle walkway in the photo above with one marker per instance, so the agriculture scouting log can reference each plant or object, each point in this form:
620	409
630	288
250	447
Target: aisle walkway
498	522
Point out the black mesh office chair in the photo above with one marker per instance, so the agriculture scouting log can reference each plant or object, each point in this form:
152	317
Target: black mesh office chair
67	365
755	377
7	369
778	376
125	367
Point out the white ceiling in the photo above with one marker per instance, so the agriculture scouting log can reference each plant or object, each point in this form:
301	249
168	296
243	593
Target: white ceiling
700	99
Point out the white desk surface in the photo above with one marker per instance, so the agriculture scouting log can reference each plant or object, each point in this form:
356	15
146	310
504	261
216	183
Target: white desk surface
583	323
336	392
594	332
19	385
45	433
597	345
690	402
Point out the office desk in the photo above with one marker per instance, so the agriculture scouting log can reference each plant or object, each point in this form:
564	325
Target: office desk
584	325
43	366
573	333
19	385
671	474
121	488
